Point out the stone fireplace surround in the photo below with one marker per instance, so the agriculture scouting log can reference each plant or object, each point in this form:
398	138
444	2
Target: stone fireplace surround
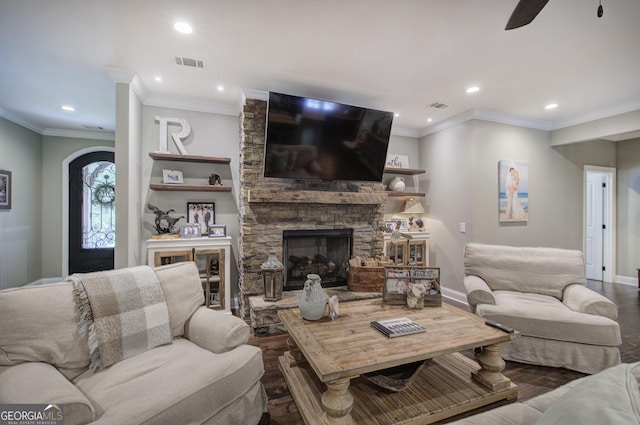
270	206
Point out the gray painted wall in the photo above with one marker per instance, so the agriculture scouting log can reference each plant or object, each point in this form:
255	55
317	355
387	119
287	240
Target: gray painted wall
20	227
628	208
462	182
54	151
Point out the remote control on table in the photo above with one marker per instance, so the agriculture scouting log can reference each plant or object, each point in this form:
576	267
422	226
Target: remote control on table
500	326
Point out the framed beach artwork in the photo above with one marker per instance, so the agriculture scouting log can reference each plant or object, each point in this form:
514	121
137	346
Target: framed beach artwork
513	197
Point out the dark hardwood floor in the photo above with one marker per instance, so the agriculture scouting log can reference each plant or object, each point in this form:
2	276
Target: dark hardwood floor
531	380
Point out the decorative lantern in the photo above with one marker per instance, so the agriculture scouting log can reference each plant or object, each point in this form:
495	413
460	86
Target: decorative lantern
272	277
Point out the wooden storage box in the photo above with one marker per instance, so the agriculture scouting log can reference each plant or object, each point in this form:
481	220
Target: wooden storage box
365	279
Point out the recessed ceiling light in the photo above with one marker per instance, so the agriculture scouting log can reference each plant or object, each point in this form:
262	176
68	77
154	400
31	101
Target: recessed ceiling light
158	79
473	89
67	108
183	28
220	88
396	115
429	119
551	106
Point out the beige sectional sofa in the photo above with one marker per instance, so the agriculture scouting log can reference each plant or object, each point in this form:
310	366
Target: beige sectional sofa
206	374
542	293
608	397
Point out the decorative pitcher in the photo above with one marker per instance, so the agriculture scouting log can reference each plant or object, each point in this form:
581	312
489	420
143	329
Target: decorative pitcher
313	301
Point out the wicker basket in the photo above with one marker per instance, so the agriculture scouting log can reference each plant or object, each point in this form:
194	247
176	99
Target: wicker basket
365	279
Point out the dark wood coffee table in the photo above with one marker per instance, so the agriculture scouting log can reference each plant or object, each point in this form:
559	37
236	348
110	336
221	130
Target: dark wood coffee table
326	358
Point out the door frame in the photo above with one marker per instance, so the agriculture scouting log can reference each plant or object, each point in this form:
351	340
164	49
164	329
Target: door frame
65	200
609	220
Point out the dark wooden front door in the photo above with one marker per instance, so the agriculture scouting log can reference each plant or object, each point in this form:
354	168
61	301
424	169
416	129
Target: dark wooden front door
92	180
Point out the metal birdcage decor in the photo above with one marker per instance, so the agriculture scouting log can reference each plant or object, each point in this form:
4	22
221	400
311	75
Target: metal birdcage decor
272	277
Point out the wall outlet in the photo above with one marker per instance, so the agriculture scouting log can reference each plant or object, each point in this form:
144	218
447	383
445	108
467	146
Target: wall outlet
463	227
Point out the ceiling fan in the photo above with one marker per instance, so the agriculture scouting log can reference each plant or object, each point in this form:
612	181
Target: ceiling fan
527	10
524	13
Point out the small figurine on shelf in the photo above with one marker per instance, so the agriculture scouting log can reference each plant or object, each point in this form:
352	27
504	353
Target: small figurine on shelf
215	180
164	223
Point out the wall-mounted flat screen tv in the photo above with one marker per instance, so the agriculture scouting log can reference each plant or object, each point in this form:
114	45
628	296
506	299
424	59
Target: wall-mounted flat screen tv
316	139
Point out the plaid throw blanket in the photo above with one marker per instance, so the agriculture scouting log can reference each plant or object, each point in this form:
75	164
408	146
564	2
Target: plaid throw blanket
123	312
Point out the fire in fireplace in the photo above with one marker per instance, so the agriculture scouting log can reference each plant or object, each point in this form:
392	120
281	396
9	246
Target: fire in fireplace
323	252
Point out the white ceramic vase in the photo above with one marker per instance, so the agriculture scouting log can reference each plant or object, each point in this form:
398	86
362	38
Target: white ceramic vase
397	184
313	301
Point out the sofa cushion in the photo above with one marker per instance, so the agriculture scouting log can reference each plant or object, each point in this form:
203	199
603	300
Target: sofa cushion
546	317
182	291
16	387
181	377
39	324
608	397
536	270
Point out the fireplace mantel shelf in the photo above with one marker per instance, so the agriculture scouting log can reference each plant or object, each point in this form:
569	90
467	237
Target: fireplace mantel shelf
316	197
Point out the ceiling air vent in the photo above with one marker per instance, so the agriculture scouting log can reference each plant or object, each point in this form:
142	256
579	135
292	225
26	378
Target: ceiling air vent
193	63
438	105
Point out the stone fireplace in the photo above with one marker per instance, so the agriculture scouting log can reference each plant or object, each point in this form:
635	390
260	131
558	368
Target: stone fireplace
270	207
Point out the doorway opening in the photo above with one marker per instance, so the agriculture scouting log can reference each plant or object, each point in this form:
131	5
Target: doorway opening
599	222
91	212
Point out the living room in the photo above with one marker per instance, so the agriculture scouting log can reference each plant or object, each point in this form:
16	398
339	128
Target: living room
460	155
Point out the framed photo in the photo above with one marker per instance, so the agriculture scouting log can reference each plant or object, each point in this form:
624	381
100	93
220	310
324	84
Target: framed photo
513	191
190	231
217	230
5	190
172	177
391	224
201	213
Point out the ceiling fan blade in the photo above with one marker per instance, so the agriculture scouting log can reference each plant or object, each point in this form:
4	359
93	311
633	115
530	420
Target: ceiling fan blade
524	13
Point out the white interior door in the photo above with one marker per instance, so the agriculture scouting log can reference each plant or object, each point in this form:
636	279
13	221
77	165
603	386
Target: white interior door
594	224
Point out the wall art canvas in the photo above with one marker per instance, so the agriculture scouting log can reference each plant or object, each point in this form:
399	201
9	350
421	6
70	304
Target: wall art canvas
513	191
5	189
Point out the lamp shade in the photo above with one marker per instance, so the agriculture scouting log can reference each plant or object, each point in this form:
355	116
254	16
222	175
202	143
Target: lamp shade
412	206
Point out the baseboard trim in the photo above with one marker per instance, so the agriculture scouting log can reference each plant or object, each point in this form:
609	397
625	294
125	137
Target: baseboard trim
44	281
627	280
452	294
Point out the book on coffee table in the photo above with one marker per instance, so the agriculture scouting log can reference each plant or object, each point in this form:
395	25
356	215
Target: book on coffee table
398	327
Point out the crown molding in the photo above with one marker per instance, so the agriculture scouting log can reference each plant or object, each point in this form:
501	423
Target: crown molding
405	132
80	134
486	115
597	115
192	105
21	121
255	94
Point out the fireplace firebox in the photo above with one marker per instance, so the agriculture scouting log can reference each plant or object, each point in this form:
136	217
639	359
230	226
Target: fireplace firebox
322	252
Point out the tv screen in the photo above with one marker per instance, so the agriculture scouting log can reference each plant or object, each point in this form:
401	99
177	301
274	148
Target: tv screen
316	139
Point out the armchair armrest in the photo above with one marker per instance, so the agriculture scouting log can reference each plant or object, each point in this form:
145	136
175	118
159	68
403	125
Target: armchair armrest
215	330
41	383
583	300
478	292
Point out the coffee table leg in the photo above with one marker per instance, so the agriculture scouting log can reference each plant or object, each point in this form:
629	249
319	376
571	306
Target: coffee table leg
337	403
491	366
294	355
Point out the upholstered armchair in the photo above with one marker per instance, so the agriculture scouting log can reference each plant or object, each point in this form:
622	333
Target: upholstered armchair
542	293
